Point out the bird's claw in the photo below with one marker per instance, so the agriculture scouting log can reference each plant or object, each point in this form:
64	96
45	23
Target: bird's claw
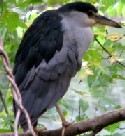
37	130
66	124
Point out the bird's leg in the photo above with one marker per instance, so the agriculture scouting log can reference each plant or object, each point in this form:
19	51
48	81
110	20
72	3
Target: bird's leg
36	131
64	122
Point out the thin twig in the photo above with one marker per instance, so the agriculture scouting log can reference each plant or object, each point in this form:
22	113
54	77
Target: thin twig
110	55
4	104
15	90
19	103
16	122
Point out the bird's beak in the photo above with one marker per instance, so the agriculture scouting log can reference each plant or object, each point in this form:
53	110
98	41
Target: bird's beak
102	20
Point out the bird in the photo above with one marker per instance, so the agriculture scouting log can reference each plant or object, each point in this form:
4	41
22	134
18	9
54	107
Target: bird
50	55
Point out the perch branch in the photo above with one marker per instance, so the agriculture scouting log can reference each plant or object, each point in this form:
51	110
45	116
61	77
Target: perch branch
95	124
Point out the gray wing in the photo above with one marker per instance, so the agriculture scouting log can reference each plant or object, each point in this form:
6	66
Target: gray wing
46	84
43	66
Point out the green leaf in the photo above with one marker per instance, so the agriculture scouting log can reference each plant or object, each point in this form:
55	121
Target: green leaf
106	4
81	117
83	104
93	57
113	128
98	92
25	3
4	130
91	80
11	20
53	2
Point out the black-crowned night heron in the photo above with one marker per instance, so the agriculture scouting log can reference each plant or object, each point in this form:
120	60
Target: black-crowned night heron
50	54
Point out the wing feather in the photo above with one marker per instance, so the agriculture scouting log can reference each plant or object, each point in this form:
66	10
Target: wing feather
42	39
40	93
43	66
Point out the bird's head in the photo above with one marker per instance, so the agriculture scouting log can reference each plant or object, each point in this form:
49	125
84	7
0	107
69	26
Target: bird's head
91	12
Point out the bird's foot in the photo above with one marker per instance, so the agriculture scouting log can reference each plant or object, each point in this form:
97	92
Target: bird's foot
66	124
37	130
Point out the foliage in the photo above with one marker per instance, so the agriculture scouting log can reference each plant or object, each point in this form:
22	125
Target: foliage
98	87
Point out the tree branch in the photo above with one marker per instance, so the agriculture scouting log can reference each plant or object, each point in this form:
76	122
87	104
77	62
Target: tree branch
15	90
110	55
95	124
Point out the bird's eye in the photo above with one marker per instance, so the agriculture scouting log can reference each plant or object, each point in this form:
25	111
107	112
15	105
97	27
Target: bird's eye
90	12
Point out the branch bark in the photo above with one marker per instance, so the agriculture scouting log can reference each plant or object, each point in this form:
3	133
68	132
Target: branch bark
95	124
15	91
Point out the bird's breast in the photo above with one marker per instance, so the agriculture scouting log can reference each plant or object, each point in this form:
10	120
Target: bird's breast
83	37
76	35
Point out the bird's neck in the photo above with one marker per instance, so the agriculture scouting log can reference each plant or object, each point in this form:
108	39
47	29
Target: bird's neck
76	32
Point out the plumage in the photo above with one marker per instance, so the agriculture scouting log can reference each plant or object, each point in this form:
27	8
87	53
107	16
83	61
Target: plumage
40	41
49	55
